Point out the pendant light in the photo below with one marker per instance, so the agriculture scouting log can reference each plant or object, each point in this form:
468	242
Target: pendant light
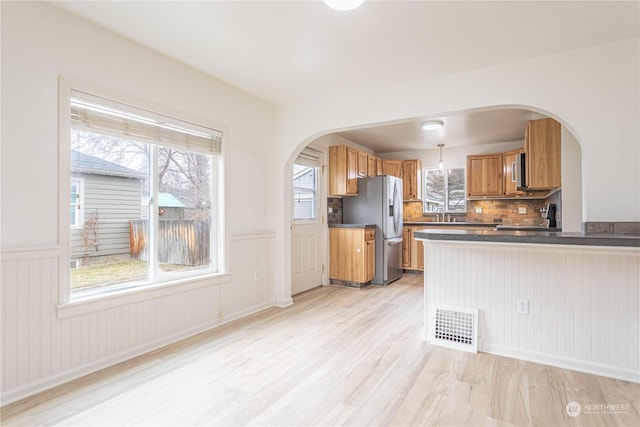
441	163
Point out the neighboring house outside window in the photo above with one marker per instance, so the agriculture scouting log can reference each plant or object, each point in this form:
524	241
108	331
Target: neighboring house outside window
305	192
76	201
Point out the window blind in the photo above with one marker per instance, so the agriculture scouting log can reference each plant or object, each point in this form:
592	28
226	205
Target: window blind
96	114
309	157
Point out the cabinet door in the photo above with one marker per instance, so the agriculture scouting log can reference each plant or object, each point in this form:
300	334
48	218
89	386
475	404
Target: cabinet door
509	172
392	167
343	171
420	247
352	171
371	165
363	164
406	247
484	175
371	259
347	252
378	166
543	154
412	180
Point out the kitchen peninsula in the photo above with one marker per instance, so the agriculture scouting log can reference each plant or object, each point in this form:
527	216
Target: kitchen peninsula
581	293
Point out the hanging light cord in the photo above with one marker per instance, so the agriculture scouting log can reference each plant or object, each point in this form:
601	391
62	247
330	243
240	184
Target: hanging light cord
441	163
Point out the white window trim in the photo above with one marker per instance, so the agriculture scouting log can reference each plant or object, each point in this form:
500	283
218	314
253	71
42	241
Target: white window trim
68	308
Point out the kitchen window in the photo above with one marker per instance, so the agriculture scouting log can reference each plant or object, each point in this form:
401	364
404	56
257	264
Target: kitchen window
144	198
444	190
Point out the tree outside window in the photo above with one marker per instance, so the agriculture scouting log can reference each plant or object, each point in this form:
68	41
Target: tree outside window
444	189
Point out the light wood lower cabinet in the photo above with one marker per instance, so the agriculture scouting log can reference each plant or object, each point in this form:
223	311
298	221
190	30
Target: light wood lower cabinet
412	249
352	254
406	247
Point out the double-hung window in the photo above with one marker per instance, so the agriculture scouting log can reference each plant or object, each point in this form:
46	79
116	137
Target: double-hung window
444	190
144	192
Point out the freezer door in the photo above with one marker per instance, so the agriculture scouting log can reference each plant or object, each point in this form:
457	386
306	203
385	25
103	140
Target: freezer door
392	260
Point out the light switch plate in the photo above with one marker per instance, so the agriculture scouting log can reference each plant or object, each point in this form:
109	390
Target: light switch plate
478	210
522	210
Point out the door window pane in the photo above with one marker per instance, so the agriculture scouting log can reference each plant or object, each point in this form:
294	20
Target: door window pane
304	192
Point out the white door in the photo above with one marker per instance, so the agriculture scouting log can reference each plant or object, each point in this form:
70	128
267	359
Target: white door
307	243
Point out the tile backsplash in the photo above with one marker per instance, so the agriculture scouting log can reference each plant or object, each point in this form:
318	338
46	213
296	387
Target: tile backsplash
334	210
505	211
492	211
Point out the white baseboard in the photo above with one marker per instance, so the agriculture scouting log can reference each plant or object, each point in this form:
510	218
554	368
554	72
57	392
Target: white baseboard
248	311
561	362
284	303
81	371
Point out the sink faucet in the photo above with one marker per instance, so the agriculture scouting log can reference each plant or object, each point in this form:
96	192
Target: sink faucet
439	210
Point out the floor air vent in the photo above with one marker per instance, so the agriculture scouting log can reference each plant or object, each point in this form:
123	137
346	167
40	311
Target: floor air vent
456	327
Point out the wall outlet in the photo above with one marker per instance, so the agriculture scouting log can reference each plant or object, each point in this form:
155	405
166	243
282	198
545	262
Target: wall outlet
478	210
256	275
523	306
522	210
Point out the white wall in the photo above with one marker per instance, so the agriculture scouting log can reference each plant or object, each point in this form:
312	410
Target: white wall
593	92
40	348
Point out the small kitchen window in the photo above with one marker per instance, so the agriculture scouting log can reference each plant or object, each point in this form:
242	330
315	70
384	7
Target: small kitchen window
444	190
305	185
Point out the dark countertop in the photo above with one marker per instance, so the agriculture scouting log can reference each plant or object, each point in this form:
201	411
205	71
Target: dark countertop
539	237
352	226
452	224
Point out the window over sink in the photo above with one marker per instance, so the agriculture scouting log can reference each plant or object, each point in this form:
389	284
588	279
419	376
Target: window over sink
444	190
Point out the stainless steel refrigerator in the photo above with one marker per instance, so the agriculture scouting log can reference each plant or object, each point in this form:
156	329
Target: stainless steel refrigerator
379	202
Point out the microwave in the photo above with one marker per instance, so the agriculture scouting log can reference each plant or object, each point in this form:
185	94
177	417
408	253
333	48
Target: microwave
521	171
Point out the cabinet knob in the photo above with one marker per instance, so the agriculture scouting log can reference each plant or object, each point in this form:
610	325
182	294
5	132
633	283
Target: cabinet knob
358	250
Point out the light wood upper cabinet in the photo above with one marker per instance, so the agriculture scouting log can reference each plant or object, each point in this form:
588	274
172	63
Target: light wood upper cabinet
371	165
363	164
343	171
412	180
542	150
509	171
484	175
352	254
379	166
392	167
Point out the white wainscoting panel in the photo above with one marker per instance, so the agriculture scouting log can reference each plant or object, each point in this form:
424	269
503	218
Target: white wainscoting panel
39	349
252	263
583	301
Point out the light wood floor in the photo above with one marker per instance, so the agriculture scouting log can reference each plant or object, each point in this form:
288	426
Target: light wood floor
336	357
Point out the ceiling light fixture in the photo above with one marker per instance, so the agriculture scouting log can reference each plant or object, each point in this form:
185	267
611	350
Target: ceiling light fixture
441	163
432	125
343	4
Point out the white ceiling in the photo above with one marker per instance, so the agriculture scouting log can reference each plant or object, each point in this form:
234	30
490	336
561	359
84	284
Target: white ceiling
291	51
